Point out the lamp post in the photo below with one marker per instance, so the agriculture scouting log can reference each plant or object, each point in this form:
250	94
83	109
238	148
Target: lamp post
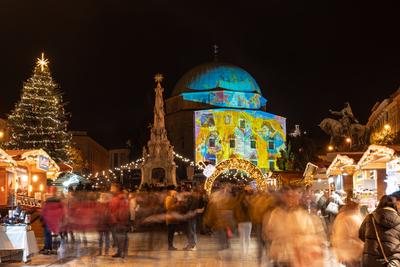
348	141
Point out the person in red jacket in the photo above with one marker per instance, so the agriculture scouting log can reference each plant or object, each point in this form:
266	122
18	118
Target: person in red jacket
52	215
119	209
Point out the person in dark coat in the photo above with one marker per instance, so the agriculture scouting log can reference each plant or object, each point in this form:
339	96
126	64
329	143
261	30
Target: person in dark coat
387	222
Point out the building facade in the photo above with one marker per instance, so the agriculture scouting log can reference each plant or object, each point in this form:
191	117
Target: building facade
118	157
217	112
386	113
94	154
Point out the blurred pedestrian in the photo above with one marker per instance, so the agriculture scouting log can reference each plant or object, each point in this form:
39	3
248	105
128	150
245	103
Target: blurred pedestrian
104	222
242	217
119	209
171	206
380	232
345	242
294	237
52	216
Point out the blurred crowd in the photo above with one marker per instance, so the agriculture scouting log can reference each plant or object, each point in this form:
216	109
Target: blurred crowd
293	226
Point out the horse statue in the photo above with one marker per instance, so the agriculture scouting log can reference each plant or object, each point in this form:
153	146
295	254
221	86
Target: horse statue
346	126
359	133
333	128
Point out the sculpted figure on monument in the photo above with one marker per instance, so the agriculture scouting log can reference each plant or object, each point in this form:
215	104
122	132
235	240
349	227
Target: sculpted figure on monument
347	126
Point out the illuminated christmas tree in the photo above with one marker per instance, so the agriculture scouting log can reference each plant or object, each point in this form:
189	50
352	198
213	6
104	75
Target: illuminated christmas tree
38	119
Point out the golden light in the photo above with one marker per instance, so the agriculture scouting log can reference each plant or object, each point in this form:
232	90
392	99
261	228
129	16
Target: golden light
1	134
348	140
237	164
330	148
42	62
41	187
386	127
2	189
24	178
35	178
30	188
158	78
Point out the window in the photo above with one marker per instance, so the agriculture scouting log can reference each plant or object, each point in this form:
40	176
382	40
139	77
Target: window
242	123
228	119
211	142
232	143
253	143
271	144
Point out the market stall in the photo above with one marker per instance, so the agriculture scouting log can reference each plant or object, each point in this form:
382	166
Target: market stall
393	176
7	172
369	179
340	172
34	167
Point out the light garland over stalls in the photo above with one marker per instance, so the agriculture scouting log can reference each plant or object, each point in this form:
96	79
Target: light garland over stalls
340	162
374	152
238	164
7	159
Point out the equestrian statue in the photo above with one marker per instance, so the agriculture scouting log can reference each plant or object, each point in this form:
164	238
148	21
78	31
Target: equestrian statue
347	126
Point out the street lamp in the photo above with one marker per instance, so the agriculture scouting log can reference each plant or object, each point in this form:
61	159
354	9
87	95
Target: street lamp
348	141
330	148
1	134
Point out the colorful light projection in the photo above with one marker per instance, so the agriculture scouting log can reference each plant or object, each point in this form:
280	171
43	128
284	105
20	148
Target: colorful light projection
223	98
253	135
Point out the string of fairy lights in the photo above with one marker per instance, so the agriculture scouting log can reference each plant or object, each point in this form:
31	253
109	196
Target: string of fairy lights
106	177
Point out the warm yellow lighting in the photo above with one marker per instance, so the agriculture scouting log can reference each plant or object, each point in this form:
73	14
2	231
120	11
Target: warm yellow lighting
1	134
386	127
236	164
42	62
41	187
30	188
158	78
34	178
330	148
348	140
2	189
24	178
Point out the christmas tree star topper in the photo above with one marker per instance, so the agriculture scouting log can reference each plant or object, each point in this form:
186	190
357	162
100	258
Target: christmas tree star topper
42	62
158	77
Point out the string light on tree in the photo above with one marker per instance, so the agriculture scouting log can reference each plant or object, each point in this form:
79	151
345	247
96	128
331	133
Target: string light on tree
38	120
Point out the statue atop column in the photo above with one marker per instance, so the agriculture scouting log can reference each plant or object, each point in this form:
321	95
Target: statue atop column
158	166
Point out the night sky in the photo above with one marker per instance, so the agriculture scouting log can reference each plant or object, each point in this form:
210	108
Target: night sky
307	56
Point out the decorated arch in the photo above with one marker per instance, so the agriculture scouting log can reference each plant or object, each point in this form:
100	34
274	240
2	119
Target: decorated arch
239	164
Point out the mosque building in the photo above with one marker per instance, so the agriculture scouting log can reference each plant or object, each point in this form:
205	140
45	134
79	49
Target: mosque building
217	112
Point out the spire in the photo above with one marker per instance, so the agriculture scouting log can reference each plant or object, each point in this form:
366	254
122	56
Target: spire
215	52
159	104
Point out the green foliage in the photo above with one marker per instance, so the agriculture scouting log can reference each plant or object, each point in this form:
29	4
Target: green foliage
38	119
299	151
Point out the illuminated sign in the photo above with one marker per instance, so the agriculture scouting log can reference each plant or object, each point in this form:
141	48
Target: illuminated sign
43	163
